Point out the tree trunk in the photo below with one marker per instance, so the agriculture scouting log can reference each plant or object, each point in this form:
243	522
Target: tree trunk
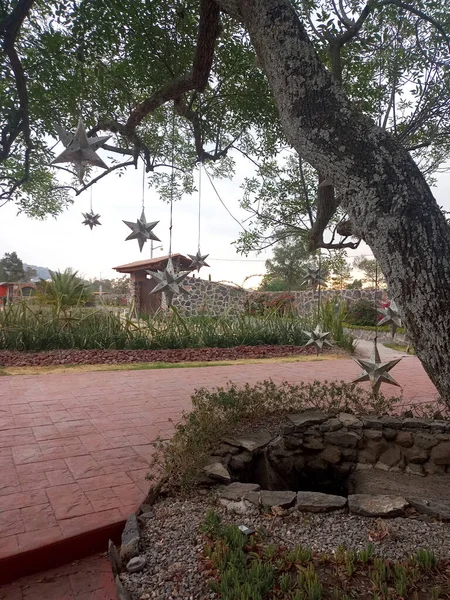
384	192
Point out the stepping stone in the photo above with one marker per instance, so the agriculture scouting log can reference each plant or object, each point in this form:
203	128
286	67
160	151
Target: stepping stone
318	502
377	506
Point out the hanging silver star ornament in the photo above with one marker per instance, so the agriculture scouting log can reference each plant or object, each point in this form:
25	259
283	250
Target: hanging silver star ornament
198	261
169	282
91	219
318	339
80	150
313	277
391	317
142	231
376	371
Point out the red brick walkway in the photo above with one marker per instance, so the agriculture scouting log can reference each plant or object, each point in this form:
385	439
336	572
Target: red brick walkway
75	447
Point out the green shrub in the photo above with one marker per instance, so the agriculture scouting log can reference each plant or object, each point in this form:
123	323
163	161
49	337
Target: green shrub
362	312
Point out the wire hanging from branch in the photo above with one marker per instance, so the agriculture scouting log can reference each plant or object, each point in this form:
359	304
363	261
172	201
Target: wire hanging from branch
169	282
91	219
199	260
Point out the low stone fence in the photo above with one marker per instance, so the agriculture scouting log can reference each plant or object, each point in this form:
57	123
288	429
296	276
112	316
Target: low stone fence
323	448
383	336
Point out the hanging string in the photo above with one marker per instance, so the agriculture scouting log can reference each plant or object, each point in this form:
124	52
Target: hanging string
319	287
172	180
199	202
91	197
143	185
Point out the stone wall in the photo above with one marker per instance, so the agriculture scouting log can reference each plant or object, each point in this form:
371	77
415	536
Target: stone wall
210	298
316	446
304	302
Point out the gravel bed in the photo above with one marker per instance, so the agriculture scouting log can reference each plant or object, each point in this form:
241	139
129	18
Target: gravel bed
173	543
10	358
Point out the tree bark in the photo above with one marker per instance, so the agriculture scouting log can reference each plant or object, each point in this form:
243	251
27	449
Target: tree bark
384	192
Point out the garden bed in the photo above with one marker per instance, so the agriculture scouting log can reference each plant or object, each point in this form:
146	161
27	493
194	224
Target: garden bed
9	358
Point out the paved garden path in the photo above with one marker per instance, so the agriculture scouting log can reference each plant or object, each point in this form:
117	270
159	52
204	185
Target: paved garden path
75	447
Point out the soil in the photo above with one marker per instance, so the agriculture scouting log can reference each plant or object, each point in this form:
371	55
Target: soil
9	358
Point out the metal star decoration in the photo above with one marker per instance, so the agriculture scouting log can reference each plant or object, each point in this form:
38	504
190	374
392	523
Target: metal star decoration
142	231
313	277
169	282
391	317
80	150
375	371
91	219
318	339
198	261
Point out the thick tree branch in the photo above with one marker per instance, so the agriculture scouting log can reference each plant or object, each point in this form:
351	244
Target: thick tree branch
197	79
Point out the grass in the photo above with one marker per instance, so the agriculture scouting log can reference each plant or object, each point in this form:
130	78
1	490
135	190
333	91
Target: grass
144	366
26	327
372	327
249	568
399	347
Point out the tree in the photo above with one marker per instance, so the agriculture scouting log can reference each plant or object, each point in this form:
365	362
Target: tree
12	267
287	267
355	285
29	273
364	169
372	273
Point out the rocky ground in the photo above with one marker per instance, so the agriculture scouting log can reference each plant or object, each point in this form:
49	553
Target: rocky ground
174	545
10	358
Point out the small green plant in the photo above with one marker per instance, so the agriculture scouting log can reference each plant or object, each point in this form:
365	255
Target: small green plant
425	559
299	555
365	555
312	585
362	312
350	563
401	580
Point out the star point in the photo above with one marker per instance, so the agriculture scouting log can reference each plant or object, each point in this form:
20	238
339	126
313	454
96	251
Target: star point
198	261
169	282
80	150
91	219
390	317
141	230
313	276
375	371
318	339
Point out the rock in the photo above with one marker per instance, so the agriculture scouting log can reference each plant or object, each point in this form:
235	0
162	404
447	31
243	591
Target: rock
130	539
315	463
269	498
217	471
431	469
313	442
147	515
391	456
376	506
347	439
389	434
136	564
331	454
381	466
293	442
239	507
350	421
250	441
363	466
344	468
240	461
405	439
440	454
237	491
416	423
440	510
307	418
416	455
413	469
373	434
440	426
331	425
225	449
425	441
372	422
349	454
122	593
114	558
317	502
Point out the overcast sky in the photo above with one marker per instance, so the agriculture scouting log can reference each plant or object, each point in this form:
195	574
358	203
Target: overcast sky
65	242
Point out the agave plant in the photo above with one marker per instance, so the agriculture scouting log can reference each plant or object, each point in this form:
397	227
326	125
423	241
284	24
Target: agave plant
65	290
